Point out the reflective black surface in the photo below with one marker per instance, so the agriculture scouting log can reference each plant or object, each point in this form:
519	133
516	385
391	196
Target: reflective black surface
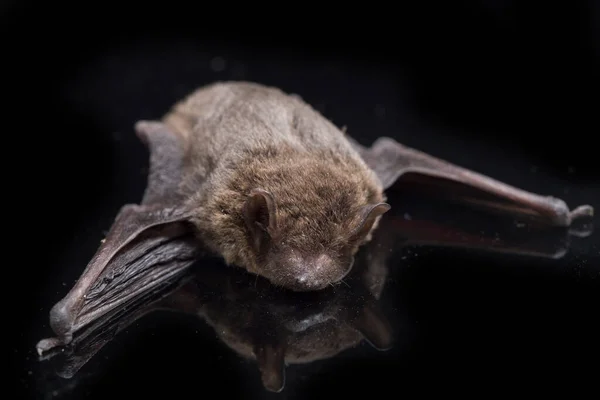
353	322
489	86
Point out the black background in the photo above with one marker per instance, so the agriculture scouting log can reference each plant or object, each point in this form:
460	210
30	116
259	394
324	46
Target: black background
508	88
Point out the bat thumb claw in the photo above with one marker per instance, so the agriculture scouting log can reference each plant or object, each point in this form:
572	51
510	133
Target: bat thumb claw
582	212
45	345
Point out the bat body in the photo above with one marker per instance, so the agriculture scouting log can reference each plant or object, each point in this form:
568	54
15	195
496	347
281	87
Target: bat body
272	186
263	180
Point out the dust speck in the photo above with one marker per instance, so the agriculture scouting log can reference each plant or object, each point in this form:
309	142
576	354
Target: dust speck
238	71
217	64
380	111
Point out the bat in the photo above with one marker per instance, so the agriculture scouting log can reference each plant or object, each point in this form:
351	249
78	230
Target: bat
261	179
276	327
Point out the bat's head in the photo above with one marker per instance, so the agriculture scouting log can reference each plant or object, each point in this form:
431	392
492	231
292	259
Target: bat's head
306	249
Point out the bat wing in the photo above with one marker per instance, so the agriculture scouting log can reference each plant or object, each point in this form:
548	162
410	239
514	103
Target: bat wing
390	160
146	265
146	244
166	161
101	328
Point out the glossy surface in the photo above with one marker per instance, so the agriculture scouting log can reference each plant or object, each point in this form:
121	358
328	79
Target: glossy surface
373	318
461	318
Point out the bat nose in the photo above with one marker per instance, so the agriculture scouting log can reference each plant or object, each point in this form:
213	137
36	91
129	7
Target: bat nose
320	273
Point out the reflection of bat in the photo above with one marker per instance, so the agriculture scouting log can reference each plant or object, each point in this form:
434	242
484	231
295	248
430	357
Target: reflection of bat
266	182
253	317
277	327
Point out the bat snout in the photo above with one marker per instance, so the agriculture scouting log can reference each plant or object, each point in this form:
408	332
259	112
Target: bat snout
317	273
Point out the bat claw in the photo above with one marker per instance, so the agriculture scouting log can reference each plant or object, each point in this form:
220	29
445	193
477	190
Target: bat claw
45	345
564	216
582	212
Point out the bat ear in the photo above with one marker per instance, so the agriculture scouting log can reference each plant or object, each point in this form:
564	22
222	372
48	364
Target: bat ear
374	327
369	215
260	214
271	363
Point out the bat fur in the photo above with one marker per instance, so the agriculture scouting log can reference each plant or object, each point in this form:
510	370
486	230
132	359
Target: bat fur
279	144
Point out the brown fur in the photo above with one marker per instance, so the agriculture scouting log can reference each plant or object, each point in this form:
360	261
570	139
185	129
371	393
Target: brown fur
241	136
